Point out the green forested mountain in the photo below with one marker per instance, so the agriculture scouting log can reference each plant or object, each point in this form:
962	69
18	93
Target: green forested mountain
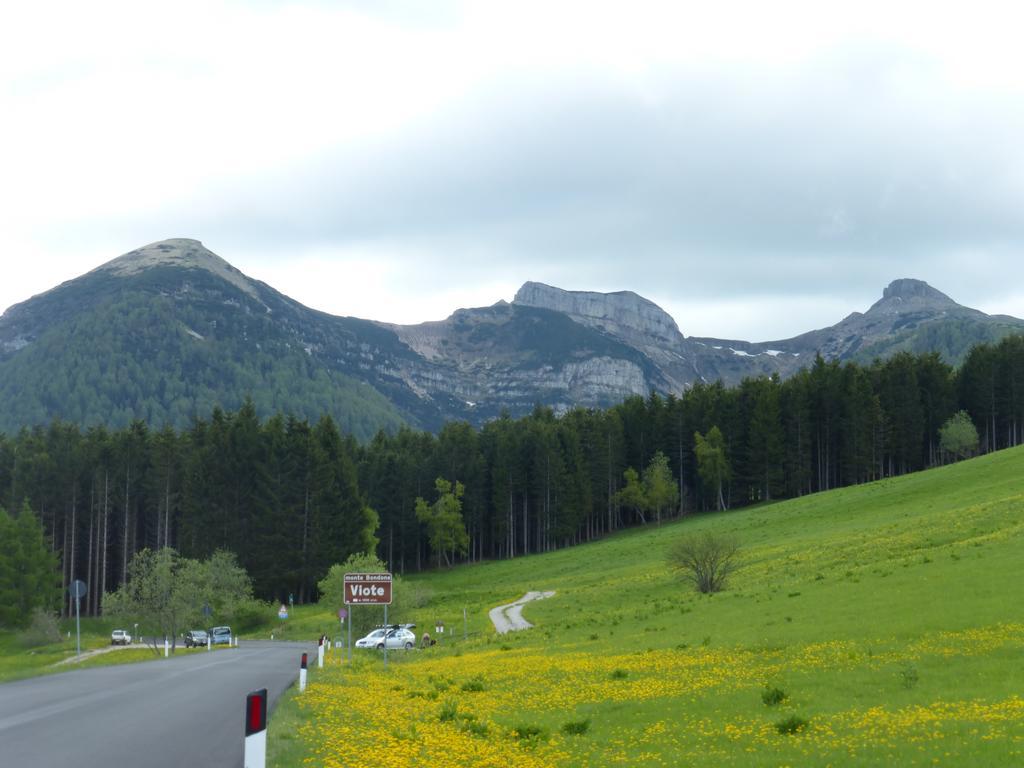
167	340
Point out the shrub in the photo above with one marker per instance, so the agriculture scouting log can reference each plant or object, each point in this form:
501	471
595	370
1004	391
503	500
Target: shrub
42	630
473	686
706	560
773	696
792	724
449	711
576	727
619	674
250	615
529	733
471	725
908	675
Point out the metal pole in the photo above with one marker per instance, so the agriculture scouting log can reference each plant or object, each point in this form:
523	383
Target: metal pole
349	617
78	626
385	636
465	628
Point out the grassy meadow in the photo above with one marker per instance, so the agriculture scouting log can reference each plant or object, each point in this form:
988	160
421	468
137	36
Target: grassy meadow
877	625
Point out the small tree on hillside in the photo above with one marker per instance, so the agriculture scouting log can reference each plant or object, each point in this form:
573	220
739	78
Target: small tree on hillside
660	489
958	436
632	495
445	526
712	463
704	559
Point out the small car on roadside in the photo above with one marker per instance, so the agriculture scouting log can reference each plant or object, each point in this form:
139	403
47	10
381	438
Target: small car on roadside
220	636
120	637
195	638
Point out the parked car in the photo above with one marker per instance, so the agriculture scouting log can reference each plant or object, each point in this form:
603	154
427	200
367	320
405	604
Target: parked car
220	636
195	638
120	637
373	640
394	635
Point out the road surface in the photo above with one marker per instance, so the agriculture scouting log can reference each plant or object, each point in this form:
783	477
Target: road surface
509	618
185	711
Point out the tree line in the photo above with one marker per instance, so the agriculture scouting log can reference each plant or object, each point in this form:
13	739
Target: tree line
290	498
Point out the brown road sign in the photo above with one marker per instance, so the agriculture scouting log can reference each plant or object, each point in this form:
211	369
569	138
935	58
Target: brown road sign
368	588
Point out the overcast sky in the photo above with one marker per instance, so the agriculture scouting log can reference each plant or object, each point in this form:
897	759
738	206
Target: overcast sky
757	169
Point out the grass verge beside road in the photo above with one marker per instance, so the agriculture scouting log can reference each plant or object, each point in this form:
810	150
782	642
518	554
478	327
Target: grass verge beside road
18	662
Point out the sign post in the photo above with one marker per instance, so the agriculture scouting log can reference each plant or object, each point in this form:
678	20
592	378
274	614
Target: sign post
342	613
78	589
368	589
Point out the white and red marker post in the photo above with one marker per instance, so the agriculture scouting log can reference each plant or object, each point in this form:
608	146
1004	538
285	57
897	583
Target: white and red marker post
302	674
256	729
320	653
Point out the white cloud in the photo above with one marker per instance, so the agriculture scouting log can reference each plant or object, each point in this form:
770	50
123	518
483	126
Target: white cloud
768	167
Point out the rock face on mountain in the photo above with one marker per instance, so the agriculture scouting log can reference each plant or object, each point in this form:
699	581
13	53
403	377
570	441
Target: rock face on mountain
170	330
623	314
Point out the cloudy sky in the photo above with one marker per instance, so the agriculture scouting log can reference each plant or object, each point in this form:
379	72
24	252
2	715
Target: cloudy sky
757	169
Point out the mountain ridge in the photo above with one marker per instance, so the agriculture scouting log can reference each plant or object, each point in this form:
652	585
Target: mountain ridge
171	329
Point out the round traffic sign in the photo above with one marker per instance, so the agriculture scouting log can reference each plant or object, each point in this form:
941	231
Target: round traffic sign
78	588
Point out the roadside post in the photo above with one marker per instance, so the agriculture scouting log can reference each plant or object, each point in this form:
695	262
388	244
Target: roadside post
167	647
368	589
302	674
256	729
207	612
78	589
320	653
342	613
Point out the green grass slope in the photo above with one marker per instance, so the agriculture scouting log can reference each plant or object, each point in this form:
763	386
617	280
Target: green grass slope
889	614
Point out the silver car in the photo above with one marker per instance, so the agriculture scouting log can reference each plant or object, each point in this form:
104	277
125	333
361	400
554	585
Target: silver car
394	636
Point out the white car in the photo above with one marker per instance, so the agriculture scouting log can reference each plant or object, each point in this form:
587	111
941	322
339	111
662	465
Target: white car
120	637
395	637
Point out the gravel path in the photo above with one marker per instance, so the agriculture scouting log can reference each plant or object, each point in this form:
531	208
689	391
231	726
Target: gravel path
97	652
509	618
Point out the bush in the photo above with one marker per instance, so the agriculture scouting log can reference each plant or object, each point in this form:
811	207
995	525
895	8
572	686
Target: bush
529	733
706	560
42	630
250	615
576	727
619	674
449	711
476	685
792	724
908	676
773	696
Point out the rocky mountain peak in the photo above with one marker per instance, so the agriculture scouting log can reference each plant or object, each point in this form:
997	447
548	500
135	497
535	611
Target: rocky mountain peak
624	313
908	295
178	252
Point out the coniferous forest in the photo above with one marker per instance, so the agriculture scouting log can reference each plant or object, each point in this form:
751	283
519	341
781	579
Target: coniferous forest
291	498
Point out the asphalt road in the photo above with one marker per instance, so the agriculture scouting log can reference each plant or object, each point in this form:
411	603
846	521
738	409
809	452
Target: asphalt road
186	711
